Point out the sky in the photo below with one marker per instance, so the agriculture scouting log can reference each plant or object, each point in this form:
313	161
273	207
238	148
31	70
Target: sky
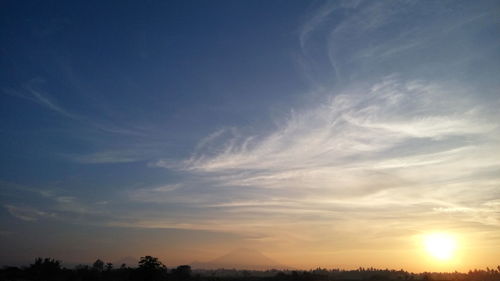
320	133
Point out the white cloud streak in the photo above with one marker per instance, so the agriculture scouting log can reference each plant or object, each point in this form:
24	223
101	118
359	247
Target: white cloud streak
27	213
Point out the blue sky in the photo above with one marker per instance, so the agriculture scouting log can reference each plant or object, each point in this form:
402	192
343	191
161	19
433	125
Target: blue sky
200	126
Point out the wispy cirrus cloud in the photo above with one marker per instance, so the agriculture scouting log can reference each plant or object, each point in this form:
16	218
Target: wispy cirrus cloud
347	125
30	93
109	156
136	141
27	213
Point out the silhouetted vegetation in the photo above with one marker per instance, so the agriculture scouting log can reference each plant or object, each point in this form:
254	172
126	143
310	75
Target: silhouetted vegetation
151	269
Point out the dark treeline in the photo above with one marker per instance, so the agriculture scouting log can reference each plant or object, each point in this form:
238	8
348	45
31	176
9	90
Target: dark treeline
151	269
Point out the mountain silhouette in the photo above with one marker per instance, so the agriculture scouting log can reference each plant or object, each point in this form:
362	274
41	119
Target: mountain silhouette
128	261
242	258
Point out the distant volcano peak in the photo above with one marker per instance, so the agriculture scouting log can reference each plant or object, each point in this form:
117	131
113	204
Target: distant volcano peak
241	258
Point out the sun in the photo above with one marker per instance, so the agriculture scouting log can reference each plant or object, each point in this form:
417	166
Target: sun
441	246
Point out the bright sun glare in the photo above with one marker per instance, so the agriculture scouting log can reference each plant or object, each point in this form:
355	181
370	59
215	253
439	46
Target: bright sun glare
440	245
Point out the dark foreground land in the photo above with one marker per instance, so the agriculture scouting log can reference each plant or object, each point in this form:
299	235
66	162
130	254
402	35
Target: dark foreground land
150	269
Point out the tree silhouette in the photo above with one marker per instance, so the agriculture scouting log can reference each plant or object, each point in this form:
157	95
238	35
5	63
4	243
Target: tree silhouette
98	265
45	269
151	269
182	272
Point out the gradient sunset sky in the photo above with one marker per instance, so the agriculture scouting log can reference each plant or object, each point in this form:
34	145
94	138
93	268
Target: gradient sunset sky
332	134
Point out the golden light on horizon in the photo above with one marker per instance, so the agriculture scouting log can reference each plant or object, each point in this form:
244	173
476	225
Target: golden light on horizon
440	246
